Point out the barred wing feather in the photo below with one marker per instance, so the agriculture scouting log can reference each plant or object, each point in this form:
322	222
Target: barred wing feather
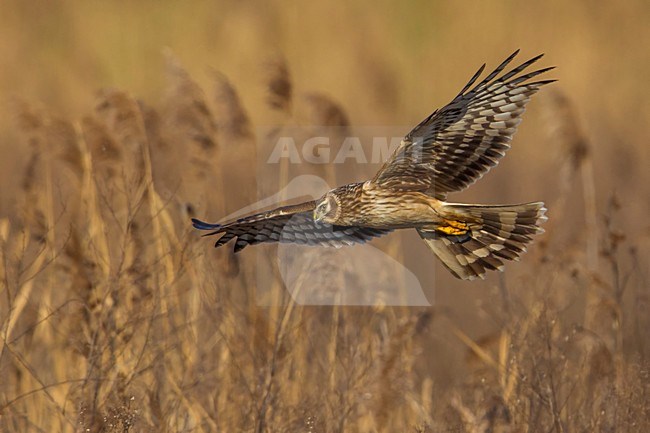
456	145
288	224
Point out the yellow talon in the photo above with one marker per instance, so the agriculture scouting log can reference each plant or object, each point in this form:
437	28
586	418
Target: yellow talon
453	228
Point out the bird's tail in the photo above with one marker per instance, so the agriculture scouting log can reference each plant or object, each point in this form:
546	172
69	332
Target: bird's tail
476	238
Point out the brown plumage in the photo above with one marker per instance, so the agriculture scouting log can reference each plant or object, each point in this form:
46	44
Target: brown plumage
448	151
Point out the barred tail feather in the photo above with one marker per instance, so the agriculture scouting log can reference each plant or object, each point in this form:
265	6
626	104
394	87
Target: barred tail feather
494	234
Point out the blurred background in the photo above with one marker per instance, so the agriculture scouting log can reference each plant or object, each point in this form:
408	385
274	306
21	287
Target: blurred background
120	120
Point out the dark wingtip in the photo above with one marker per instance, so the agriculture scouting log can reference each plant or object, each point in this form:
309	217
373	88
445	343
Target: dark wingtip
201	225
544	82
510	58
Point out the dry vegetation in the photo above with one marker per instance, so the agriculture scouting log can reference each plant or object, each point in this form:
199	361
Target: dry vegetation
116	317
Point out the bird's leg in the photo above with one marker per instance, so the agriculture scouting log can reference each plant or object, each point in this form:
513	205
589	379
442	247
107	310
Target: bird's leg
452	228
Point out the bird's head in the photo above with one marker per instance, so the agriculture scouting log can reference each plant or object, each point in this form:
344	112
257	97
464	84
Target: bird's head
327	209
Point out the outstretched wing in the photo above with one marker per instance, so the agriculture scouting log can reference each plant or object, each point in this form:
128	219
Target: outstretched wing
288	224
456	145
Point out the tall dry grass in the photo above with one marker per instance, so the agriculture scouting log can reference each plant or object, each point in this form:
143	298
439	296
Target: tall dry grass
116	317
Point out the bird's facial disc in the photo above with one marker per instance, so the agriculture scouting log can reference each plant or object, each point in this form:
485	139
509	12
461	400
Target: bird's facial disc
326	210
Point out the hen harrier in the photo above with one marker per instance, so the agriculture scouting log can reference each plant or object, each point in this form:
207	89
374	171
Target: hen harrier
446	152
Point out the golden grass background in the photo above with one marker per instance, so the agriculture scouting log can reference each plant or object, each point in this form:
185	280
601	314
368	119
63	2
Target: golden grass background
115	127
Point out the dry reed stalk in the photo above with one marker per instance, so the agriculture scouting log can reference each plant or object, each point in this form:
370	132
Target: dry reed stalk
90	251
603	312
332	350
51	140
115	149
187	111
325	118
123	133
322	111
163	231
4	237
279	97
239	156
279	85
513	372
30	265
163	227
503	361
34	124
474	347
395	367
121	116
125	121
426	399
105	153
62	138
24	280
96	235
564	127
189	122
278	340
473	423
230	114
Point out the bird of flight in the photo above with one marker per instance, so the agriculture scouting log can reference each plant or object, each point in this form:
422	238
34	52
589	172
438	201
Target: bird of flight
448	151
